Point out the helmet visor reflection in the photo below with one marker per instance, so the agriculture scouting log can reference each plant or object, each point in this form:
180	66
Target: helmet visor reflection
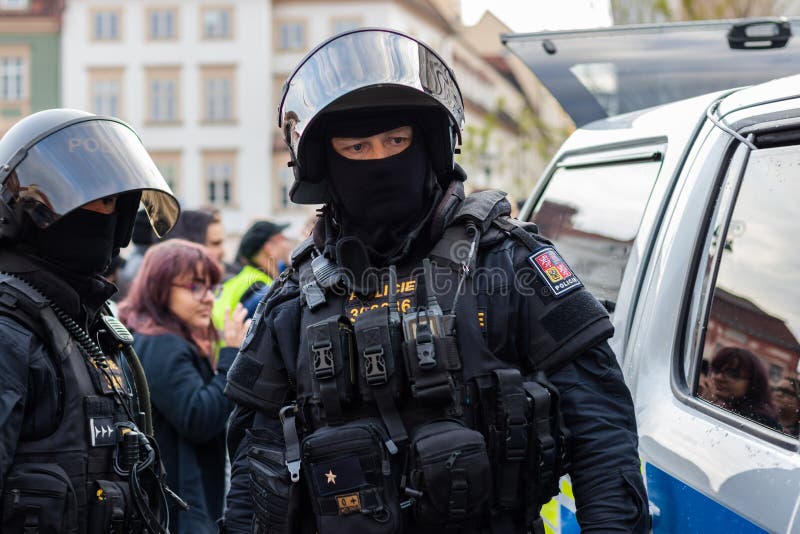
84	162
360	60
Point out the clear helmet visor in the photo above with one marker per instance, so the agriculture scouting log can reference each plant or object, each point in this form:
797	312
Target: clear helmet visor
86	161
362	69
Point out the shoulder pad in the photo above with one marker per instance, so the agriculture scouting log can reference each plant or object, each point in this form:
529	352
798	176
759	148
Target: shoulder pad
482	208
17	288
23	303
302	251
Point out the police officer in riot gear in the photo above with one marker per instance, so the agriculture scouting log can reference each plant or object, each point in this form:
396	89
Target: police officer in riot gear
427	364
75	454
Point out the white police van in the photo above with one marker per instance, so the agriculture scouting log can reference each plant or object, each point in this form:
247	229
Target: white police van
685	220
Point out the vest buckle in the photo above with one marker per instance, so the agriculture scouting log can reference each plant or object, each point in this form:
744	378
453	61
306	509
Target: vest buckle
323	359
375	366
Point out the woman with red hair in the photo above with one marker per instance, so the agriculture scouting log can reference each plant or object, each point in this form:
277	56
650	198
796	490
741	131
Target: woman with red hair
740	384
169	310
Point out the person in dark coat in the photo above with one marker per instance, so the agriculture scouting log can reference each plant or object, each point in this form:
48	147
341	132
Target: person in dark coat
169	311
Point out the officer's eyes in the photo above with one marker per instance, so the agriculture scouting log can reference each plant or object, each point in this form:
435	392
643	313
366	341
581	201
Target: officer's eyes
358	147
398	140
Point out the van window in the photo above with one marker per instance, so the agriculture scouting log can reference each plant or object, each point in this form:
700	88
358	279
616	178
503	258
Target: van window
592	214
751	348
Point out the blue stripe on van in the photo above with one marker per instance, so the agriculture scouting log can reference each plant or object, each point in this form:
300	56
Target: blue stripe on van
569	523
684	509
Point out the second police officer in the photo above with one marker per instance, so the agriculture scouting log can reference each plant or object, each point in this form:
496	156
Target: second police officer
427	364
76	453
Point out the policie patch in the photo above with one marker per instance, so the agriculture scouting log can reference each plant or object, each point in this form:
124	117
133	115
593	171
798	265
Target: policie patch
554	271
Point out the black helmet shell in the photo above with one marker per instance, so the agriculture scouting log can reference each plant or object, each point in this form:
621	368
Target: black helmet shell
366	69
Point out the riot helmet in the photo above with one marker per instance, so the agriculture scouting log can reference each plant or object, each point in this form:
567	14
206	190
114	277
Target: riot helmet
362	72
54	161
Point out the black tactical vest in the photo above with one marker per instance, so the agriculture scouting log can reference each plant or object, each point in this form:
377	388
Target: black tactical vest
66	481
441	406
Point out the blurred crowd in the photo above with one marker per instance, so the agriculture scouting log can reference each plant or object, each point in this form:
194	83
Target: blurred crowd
189	311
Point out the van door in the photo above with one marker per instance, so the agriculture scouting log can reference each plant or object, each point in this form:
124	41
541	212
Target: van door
714	351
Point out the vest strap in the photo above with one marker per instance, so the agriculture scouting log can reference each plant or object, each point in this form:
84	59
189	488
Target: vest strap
506	224
291	440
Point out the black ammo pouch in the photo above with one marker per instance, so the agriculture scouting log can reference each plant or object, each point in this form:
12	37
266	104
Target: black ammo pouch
431	355
110	507
548	438
348	476
379	349
275	498
333	368
526	438
39	499
450	478
379	339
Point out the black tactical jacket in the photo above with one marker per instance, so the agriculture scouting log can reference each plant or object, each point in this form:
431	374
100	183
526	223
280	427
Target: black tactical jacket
47	396
522	322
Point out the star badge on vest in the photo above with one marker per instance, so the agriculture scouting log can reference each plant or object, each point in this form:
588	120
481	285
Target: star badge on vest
339	476
554	271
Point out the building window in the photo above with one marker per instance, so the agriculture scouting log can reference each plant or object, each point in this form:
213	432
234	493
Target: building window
291	35
220	176
218	94
105	91
217	23
15	5
169	163
162	24
345	24
13	82
163	95
106	25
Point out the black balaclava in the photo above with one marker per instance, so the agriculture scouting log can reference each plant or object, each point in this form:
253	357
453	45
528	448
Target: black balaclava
81	242
379	201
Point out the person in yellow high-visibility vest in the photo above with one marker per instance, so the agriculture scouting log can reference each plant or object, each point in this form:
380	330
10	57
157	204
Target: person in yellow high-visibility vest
262	252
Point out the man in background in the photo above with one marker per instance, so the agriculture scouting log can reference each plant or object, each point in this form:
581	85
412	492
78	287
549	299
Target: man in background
263	253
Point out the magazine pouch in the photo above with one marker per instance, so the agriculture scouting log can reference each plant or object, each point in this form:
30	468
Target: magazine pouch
334	369
39	499
449	473
348	477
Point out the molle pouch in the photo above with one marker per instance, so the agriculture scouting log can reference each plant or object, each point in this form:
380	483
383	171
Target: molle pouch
378	339
109	507
431	355
333	366
39	498
450	476
275	498
547	442
348	476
